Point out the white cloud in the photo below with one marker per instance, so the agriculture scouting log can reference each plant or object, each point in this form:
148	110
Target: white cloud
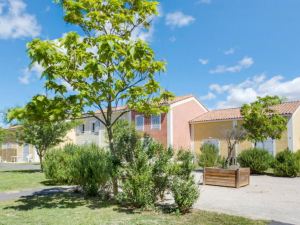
144	34
229	51
178	19
30	74
15	22
209	96
203	1
244	63
249	89
203	61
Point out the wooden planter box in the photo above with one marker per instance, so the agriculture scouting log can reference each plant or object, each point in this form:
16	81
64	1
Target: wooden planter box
226	177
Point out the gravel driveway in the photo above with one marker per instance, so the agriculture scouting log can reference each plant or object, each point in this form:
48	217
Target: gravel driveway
271	198
18	166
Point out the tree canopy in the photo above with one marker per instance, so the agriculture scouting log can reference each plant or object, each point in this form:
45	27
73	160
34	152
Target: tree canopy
262	121
102	66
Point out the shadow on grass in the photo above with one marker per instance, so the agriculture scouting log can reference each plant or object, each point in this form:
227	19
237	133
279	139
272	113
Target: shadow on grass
22	171
52	183
57	198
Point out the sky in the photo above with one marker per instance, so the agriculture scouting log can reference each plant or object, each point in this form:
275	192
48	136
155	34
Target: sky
225	53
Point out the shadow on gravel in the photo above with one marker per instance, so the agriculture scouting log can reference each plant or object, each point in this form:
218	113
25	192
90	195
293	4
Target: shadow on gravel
280	223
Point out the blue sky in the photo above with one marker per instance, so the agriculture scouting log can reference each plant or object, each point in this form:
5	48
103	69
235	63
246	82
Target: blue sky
224	52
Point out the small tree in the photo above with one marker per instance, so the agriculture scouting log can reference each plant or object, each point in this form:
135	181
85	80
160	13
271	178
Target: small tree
262	121
37	126
233	137
1	135
106	67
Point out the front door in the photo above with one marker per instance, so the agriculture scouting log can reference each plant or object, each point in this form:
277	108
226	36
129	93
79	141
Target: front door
25	152
268	145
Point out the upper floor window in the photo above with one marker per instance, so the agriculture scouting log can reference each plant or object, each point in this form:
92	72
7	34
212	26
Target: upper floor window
93	127
155	122
139	122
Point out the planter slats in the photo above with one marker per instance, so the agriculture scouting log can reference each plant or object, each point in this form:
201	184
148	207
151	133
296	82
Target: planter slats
226	177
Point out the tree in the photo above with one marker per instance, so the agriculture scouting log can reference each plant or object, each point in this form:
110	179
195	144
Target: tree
106	67
1	135
37	125
233	137
262	120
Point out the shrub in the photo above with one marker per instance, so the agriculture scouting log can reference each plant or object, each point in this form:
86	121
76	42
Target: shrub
209	156
147	170
286	164
185	193
57	164
138	185
184	165
298	158
126	138
258	160
91	169
162	170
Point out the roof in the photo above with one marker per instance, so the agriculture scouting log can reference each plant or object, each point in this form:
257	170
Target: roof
174	100
179	98
286	108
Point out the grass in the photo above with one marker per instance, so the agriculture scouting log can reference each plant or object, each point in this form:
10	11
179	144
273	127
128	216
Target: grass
18	180
73	209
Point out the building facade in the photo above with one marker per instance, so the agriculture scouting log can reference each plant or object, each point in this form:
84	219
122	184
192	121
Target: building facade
211	127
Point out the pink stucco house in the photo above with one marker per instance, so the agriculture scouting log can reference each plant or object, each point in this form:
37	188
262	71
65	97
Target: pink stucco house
170	129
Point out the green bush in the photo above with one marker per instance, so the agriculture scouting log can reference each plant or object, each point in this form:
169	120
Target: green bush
162	170
138	185
185	193
91	169
184	164
147	170
57	164
209	156
258	160
286	164
298	157
126	138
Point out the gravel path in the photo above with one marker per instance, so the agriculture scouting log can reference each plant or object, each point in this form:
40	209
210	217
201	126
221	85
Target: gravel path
271	198
18	166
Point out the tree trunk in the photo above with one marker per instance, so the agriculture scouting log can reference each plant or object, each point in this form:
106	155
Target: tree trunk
111	148
41	162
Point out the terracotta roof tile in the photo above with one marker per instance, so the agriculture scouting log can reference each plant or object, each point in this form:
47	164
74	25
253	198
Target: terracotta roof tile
176	99
286	108
179	98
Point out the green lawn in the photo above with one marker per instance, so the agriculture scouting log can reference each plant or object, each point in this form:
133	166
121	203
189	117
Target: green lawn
18	180
72	209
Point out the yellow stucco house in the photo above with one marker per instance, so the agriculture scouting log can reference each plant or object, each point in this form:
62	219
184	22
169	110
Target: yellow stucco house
211	127
10	151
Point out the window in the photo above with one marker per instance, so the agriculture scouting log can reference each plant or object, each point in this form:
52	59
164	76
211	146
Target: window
93	127
156	122
139	122
82	128
268	145
214	142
